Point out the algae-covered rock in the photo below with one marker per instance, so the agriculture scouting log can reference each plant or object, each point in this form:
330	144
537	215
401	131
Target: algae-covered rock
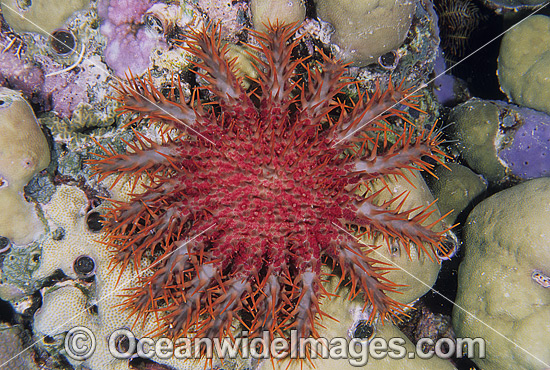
524	63
24	152
14	350
367	29
507	251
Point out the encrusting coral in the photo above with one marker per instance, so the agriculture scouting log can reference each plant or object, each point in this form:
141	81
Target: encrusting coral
24	152
252	193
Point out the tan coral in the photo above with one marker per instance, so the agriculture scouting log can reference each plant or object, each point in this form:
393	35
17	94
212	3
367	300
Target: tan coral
67	305
42	16
282	11
417	271
367	29
24	152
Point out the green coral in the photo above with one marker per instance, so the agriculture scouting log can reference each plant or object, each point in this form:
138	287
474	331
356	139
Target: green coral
524	63
475	125
506	240
456	187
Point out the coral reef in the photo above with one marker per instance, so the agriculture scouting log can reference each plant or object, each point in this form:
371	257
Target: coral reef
456	187
506	241
524	63
366	29
261	196
283	11
498	139
258	185
17	73
64	83
43	16
24	152
90	298
130	43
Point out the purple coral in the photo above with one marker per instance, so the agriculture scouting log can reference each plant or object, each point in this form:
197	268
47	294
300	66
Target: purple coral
39	81
18	74
527	152
129	44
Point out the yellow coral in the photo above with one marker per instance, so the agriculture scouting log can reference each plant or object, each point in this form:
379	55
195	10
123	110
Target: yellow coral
24	152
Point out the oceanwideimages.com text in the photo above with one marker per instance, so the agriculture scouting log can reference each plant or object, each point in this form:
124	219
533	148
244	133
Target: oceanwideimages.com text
80	344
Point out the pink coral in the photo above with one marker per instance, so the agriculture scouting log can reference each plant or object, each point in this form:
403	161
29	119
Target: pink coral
239	218
129	45
18	74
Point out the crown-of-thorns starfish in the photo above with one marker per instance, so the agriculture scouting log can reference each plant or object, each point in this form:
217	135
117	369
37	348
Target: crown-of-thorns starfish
240	209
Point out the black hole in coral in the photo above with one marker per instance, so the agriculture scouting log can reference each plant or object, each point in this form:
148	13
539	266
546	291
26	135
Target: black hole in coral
62	42
36	258
48	340
154	24
388	59
363	330
93	309
84	266
2	102
94	221
4	242
58	234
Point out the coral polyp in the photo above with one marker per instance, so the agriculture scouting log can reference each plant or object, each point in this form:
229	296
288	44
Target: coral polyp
247	194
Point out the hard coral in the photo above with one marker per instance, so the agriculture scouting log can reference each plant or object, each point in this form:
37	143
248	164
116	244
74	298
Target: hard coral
129	44
255	192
